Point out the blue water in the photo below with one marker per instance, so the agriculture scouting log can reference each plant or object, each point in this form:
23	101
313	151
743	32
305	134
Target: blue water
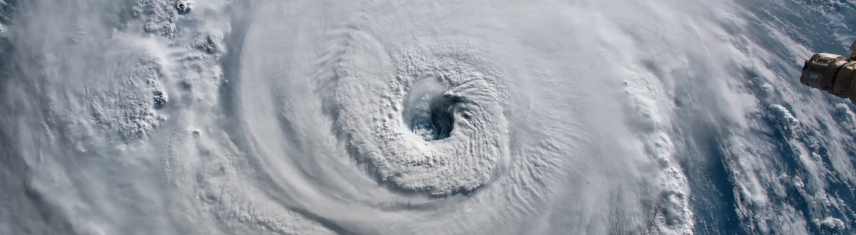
820	26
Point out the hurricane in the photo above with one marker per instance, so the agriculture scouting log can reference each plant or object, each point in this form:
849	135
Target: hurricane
422	117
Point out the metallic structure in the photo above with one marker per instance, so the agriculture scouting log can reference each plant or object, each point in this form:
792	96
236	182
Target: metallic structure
832	73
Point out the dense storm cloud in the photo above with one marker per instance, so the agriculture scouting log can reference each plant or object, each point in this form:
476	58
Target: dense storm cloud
422	117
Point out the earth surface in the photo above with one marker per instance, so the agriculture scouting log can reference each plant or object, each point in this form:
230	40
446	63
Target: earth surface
423	117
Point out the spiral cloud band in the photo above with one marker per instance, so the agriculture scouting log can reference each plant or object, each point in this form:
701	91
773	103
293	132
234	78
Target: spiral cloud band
435	114
412	117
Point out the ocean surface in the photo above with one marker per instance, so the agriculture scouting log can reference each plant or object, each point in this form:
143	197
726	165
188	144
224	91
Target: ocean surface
423	117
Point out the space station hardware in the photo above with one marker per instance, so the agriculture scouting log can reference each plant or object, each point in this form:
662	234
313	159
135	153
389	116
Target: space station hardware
832	73
853	51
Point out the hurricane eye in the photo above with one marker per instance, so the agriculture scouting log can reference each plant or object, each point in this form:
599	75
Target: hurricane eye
428	111
436	122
